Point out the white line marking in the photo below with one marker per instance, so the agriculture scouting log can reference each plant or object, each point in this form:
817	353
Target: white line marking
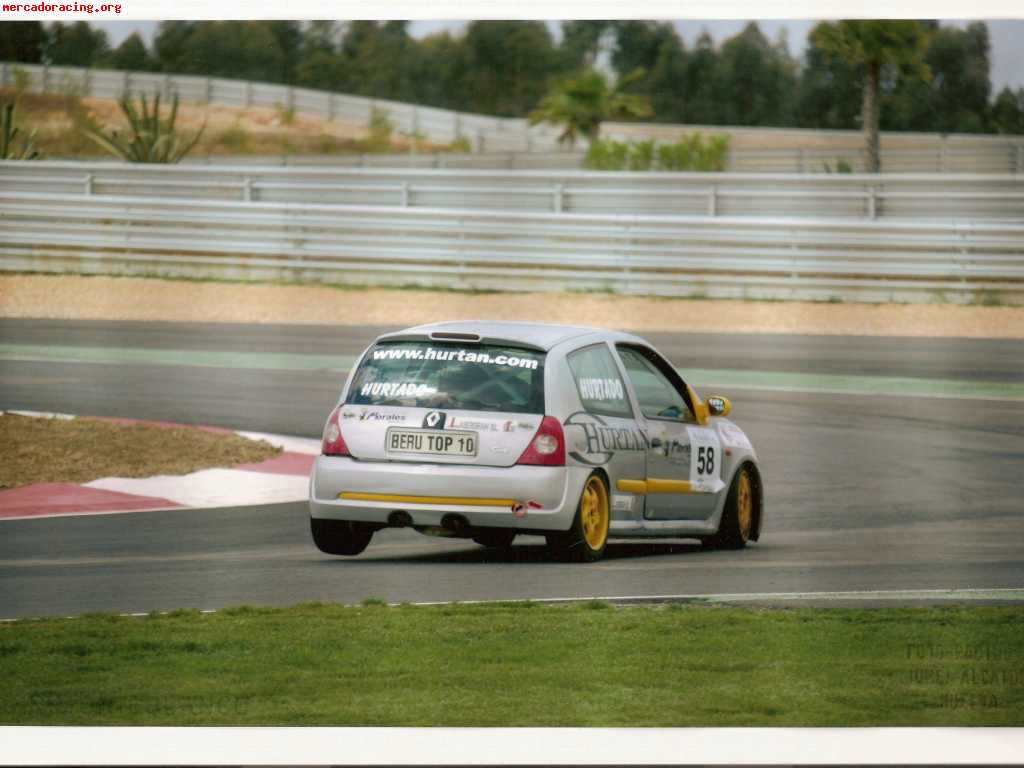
212	487
1015	594
289	443
49	516
997	593
41	415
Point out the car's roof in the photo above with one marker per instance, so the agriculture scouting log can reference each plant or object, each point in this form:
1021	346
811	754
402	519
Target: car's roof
540	335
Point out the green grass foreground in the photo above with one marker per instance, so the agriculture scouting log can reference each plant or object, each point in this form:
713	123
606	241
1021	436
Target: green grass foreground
519	665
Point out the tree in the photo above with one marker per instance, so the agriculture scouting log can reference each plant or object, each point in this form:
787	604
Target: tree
580	104
760	78
319	63
508	66
247	50
703	101
440	75
172	45
579	43
960	86
133	55
22	41
1008	112
75	45
656	49
871	46
288	38
830	93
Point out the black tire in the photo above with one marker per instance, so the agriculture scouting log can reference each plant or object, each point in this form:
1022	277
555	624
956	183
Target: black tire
340	537
738	516
499	538
582	543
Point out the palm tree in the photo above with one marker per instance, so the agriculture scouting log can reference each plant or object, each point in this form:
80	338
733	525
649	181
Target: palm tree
580	103
871	46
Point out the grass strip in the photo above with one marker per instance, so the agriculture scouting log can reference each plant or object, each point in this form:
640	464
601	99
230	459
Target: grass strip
40	450
523	664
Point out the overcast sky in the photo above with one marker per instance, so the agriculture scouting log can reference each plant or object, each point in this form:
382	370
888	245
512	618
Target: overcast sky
1007	38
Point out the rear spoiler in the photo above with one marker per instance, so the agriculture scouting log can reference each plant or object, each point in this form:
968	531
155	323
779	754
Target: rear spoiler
461	338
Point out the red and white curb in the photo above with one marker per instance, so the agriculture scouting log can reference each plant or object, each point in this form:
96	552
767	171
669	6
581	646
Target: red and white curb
283	478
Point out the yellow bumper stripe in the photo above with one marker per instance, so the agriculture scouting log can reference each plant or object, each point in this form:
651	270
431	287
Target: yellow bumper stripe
654	485
455	501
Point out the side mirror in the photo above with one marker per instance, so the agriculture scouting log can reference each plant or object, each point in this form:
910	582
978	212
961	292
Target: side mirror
718	405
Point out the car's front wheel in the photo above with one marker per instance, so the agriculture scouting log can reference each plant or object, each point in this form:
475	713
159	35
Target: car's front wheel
586	539
738	516
340	537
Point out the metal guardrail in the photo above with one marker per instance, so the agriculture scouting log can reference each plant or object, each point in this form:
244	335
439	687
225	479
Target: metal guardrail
797	150
961	197
724	256
753	150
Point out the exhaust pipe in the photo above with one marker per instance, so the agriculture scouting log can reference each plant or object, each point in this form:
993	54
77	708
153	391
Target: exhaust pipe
399	519
457	524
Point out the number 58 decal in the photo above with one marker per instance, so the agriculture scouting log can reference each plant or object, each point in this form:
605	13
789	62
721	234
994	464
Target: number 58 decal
705	460
705	456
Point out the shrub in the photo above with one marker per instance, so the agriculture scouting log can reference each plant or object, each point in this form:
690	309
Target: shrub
461	144
690	153
236	139
285	116
153	139
842	166
641	155
11	147
606	155
381	129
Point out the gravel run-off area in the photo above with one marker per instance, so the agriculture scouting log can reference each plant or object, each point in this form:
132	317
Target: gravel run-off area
125	298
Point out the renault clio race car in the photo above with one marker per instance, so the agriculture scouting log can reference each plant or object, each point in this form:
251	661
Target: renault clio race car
487	430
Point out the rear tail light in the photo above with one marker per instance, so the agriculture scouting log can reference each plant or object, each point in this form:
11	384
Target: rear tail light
334	443
547	447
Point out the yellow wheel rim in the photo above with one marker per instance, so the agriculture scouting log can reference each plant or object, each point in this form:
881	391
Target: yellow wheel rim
594	513
745	505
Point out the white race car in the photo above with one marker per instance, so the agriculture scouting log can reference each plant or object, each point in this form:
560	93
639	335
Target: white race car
486	430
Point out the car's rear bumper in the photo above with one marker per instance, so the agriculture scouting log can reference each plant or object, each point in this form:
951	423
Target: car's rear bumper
342	488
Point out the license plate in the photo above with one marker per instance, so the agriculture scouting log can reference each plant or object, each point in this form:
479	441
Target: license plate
431	442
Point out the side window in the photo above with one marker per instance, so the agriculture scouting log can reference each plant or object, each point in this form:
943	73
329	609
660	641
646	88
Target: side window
598	382
658	398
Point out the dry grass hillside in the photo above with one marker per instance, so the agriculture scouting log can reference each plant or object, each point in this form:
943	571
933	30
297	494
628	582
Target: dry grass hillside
55	118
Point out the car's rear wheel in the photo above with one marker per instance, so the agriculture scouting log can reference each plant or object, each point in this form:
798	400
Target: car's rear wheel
738	516
587	538
496	537
340	537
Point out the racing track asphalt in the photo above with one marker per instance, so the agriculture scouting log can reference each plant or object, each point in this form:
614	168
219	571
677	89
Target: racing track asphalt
865	492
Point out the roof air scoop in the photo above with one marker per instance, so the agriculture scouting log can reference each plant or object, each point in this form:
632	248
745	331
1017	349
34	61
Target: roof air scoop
447	336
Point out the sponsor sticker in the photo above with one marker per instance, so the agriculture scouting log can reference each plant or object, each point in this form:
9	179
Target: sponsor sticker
602	441
380	416
601	389
434	420
482	425
395	389
459	355
622	502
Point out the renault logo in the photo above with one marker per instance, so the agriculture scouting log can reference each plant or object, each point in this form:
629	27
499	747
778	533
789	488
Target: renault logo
434	420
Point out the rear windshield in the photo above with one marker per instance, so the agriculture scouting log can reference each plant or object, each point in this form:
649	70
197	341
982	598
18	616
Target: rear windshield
472	377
